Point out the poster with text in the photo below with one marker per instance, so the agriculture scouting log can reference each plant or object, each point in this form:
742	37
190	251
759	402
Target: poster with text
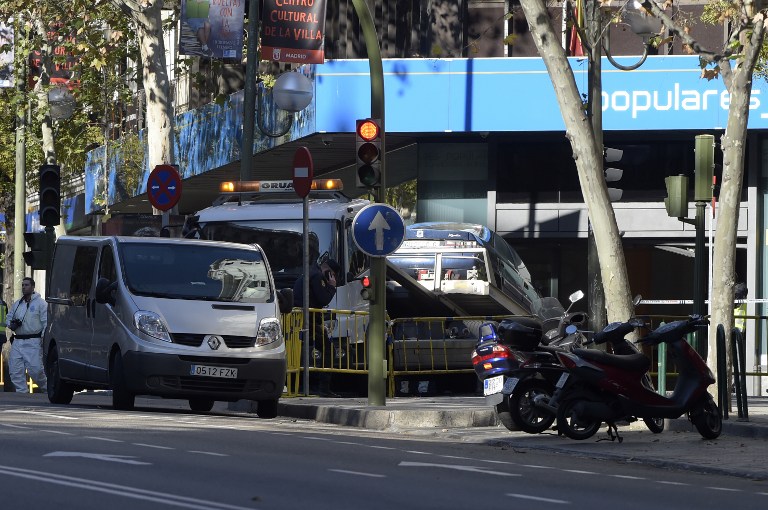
6	55
293	31
212	28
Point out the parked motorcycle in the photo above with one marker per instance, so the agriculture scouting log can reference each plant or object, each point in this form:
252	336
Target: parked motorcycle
517	364
601	387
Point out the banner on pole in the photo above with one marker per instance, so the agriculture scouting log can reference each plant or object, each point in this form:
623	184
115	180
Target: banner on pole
293	31
6	55
212	28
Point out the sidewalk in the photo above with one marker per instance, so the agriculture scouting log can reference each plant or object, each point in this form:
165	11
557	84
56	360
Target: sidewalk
741	450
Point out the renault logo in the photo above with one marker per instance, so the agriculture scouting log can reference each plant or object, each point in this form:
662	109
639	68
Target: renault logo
214	341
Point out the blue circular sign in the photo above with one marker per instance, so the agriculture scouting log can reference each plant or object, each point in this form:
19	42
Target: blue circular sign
378	230
164	187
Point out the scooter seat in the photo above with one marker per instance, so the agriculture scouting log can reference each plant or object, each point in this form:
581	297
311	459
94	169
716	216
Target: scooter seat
635	362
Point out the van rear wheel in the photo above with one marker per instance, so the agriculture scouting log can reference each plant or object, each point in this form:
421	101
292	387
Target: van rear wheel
122	398
201	405
59	391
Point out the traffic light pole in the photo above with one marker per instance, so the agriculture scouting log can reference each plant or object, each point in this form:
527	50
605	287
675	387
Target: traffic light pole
21	166
377	320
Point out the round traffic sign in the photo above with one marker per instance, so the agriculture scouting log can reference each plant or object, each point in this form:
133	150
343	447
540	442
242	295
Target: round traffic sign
164	187
303	171
378	230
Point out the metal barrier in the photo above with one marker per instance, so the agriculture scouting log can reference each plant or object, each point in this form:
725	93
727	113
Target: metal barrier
417	346
421	346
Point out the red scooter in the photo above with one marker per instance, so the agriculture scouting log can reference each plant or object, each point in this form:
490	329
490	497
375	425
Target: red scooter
601	387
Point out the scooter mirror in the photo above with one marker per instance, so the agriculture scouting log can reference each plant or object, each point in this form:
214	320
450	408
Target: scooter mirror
636	300
576	296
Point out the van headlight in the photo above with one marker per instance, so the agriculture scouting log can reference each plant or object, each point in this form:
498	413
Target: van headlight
269	331
151	324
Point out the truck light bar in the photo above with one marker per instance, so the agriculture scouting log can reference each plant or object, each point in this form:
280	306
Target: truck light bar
277	186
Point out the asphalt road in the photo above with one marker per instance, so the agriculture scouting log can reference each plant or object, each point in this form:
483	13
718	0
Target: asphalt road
86	456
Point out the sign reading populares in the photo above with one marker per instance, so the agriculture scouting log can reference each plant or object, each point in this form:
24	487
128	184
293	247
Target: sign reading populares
293	31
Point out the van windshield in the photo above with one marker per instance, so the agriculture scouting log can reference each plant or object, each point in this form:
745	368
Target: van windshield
200	272
282	242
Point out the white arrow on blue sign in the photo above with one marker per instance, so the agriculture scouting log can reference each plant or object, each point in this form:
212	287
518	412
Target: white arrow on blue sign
378	230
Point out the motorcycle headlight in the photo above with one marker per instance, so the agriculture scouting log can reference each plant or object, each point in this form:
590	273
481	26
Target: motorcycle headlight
151	324
269	332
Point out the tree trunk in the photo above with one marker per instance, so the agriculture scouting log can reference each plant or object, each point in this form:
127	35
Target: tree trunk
589	162
146	14
733	145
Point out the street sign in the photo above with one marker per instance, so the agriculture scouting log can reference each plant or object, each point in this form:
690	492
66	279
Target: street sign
164	187
303	171
378	230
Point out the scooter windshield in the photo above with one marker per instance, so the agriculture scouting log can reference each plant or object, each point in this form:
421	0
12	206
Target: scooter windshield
547	308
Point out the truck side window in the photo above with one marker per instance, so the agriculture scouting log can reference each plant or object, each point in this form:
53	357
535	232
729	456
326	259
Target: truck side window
358	261
82	274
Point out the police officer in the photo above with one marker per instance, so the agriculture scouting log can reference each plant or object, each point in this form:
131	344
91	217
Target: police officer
27	319
322	289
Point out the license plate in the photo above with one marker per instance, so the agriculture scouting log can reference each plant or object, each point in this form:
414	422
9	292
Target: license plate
225	372
493	385
509	386
561	381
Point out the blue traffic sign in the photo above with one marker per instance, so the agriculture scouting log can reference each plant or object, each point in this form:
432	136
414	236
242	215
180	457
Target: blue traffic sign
378	230
164	187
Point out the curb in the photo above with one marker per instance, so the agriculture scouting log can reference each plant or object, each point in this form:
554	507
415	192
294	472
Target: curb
386	419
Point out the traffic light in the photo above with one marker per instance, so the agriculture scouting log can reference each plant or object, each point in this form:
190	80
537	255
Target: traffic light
676	202
50	195
613	174
367	291
704	167
368	154
37	257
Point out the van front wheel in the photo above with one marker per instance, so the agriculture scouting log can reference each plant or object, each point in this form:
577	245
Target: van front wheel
122	398
266	408
200	405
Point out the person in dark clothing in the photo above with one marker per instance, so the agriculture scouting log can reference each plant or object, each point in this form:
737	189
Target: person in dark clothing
322	289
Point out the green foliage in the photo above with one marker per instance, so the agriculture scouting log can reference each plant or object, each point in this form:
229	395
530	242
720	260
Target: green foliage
403	198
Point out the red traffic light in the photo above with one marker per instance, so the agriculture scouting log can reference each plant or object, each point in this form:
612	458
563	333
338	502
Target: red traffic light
367	291
368	130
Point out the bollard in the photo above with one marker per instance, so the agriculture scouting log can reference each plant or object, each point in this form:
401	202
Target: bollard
722	373
662	375
739	373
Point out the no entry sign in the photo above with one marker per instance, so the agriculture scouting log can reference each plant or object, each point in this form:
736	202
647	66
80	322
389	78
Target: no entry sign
164	187
303	171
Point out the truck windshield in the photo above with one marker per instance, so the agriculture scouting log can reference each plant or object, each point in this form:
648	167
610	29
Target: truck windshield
181	271
281	241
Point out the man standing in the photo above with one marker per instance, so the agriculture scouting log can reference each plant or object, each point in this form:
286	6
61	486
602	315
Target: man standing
322	289
27	319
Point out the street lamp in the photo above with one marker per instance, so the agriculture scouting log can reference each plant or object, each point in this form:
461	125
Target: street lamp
643	25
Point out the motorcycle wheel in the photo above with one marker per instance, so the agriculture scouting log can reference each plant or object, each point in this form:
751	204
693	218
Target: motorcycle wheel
570	425
707	419
505	417
524	413
655	425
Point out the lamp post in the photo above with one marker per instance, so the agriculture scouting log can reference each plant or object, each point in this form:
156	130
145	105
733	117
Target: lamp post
646	27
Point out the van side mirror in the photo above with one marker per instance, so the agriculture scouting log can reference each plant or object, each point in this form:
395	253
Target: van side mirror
284	300
104	291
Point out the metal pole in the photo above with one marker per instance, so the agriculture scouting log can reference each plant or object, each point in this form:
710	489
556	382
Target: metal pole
249	97
700	278
305	299
19	226
376	326
595	111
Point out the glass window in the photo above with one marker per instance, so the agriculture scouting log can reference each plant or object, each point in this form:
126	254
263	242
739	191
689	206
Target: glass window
61	276
107	264
200	272
282	242
82	274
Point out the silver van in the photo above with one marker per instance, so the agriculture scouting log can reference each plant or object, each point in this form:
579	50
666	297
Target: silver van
176	318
